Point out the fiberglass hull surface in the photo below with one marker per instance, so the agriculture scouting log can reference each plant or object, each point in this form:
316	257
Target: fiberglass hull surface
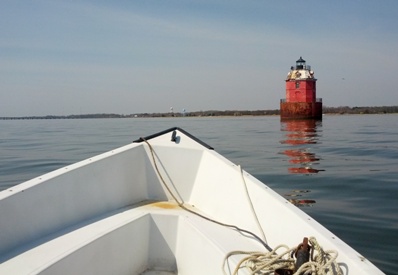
112	214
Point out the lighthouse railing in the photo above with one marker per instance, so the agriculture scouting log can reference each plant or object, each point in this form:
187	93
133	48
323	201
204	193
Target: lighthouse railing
318	99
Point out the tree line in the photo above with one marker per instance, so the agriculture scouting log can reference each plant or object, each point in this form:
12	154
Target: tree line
360	110
326	110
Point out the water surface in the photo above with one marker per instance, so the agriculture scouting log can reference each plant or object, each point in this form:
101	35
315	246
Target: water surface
343	171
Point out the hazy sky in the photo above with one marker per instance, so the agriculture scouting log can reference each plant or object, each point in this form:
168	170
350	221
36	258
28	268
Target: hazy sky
90	56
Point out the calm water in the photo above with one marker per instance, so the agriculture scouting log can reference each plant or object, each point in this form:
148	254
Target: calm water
343	171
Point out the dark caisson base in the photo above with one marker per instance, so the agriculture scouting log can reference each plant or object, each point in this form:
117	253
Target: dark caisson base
301	110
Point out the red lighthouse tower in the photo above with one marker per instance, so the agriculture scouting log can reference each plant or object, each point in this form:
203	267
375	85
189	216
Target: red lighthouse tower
301	101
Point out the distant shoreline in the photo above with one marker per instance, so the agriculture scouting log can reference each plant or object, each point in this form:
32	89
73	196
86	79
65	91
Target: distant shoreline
215	113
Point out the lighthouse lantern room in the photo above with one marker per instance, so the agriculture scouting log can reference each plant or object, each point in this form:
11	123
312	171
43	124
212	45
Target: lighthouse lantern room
301	101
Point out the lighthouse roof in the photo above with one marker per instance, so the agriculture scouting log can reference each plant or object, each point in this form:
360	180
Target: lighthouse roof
300	64
302	71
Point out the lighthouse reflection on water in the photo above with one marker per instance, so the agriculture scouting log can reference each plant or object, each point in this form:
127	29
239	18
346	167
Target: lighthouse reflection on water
300	134
301	137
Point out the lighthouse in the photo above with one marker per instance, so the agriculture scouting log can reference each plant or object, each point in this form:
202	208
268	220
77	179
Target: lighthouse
301	101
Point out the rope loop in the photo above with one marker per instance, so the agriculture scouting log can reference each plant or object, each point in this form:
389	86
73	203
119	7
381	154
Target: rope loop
181	203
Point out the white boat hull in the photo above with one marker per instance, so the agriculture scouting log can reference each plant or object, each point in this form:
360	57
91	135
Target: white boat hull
112	214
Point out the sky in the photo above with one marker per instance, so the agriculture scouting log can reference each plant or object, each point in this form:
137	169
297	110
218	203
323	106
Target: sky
136	56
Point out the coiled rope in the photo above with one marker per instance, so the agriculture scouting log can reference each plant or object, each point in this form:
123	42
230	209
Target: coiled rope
322	262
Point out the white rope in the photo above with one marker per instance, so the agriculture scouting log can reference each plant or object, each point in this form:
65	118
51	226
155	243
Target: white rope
251	205
182	205
323	263
262	263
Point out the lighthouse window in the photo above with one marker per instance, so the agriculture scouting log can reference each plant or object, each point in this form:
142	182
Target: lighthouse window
297	85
